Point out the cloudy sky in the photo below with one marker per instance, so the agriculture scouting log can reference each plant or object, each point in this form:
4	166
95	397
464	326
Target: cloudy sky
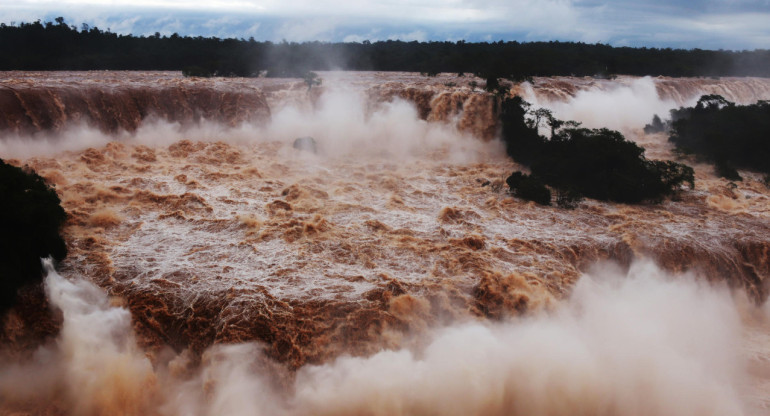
708	24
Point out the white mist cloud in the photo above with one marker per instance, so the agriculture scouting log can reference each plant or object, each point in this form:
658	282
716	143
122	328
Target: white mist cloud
95	366
74	138
643	343
341	121
624	343
344	126
618	106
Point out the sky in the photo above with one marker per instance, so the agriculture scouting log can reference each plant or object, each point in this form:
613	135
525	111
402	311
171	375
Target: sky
706	24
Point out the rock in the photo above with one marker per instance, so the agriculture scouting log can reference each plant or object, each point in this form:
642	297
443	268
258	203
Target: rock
306	144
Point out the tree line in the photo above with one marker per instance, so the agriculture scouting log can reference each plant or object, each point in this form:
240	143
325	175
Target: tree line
60	46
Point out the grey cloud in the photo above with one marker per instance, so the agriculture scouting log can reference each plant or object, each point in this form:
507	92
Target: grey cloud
728	24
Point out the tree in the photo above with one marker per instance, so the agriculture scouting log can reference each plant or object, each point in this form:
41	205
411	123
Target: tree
47	46
728	135
596	163
30	217
311	79
657	126
529	188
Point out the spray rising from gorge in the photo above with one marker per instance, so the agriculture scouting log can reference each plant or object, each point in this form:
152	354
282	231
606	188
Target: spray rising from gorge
246	276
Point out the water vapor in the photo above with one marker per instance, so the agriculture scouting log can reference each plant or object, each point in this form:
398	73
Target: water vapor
372	276
345	124
95	366
644	343
624	343
618	106
342	120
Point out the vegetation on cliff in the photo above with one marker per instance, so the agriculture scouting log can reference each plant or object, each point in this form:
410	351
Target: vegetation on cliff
30	218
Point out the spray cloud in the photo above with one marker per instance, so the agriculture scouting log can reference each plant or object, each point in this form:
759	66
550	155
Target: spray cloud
618	106
641	342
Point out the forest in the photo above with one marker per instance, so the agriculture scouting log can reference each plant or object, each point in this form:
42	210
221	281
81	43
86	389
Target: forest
60	46
728	135
578	162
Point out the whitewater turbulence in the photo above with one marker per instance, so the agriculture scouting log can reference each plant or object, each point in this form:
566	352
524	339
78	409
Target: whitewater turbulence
215	268
635	342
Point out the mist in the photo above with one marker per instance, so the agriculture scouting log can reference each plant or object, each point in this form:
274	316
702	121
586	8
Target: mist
619	106
631	342
342	120
374	250
344	123
94	366
640	343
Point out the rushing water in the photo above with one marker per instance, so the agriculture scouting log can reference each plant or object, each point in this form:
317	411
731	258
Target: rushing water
388	273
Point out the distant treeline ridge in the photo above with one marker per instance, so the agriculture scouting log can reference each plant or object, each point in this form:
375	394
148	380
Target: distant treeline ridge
59	46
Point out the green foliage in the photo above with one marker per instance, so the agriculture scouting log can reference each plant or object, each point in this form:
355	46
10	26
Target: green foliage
311	79
596	163
728	135
656	126
672	174
49	46
568	198
30	217
529	188
496	87
58	46
522	141
599	164
724	170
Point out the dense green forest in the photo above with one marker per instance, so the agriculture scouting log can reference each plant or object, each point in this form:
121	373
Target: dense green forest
60	46
577	162
30	218
728	135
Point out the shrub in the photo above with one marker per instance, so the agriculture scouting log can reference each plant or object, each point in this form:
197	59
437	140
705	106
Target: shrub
311	79
30	217
724	170
656	126
529	188
672	175
568	198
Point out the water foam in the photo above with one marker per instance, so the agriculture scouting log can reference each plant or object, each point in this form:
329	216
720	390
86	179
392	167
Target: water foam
625	343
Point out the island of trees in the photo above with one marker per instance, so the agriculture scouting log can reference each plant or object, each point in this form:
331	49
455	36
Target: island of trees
60	46
578	162
728	135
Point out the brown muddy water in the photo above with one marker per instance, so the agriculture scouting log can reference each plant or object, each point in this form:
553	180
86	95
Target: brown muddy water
214	269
